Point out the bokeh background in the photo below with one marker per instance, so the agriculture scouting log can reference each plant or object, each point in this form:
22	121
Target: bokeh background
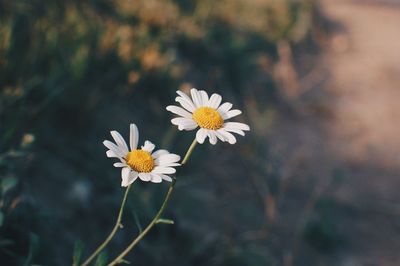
314	183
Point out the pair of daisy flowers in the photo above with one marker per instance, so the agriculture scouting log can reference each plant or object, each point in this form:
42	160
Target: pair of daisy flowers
199	110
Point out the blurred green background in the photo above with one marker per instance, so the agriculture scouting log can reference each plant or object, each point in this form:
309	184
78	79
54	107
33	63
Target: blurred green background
71	71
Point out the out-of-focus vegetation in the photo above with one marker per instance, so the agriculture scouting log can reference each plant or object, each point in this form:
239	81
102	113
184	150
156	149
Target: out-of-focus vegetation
70	71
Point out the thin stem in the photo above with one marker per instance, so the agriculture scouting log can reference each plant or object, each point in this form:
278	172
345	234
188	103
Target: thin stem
146	230
114	230
189	152
120	257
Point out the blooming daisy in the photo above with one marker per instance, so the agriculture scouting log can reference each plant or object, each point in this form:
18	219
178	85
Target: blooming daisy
143	163
209	114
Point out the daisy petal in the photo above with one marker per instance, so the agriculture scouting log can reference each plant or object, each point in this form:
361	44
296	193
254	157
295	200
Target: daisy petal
225	107
215	101
196	98
228	136
179	111
237	131
236	125
133	136
185	104
110	145
131	178
163	170
220	136
125	176
212	137
183	123
204	97
114	148
189	105
191	126
166	178
171	164
230	114
167	158
145	177
155	178
148	146
119	140
158	153
111	154
201	135
120	165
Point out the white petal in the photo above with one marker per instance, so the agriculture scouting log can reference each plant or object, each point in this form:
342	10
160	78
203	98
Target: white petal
183	123
225	107
204	97
155	178
133	136
166	178
110	145
212	137
230	114
148	146
167	158
111	154
125	176
163	170
237	131
236	125
170	164
119	140
179	111
201	135
131	178
158	153
120	165
133	175
185	104
228	136
191	126
145	177
220	136
196	98
114	148
189	105
215	101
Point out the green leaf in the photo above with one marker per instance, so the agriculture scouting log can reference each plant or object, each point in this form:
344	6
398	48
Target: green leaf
8	183
101	259
165	221
78	251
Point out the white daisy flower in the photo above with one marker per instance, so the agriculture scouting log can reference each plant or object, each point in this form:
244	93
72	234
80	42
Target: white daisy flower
209	114
143	163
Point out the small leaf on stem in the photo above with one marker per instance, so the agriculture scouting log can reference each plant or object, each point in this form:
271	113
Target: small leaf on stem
165	221
101	259
124	261
78	250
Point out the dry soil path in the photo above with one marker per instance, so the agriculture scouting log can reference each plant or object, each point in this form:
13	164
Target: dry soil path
364	80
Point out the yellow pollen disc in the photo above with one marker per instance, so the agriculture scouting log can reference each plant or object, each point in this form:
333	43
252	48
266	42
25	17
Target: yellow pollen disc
140	161
208	118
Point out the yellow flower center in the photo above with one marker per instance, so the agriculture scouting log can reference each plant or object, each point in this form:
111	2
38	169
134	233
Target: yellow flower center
140	161
208	118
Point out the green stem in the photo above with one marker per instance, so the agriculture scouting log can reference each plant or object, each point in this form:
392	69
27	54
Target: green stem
120	257
114	230
189	152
